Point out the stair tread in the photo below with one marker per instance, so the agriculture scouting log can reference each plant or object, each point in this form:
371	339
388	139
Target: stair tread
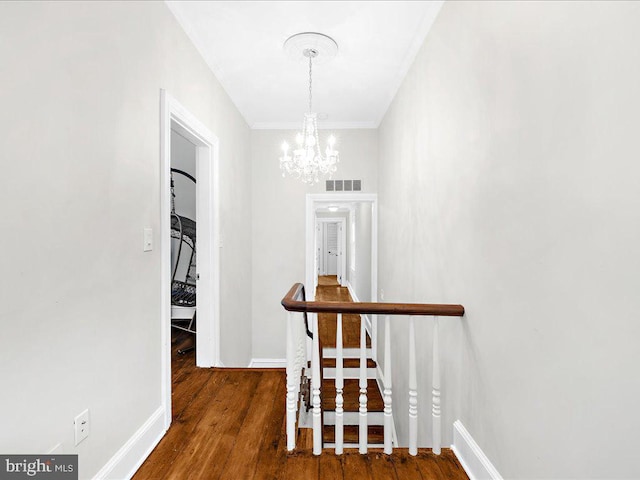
347	363
351	396
375	434
350	330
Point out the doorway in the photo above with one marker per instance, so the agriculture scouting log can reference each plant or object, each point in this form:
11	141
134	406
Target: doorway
326	207
331	247
184	273
177	120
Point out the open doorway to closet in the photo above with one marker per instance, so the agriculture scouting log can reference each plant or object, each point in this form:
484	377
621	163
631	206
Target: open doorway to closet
189	216
184	257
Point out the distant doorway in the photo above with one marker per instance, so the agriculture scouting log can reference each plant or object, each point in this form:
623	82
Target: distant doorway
331	247
359	242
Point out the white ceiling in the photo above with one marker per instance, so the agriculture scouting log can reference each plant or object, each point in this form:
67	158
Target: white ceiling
241	41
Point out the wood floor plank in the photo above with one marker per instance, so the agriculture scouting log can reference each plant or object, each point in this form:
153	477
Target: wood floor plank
215	432
356	466
186	389
243	457
272	457
406	466
382	466
449	465
330	466
302	466
429	465
177	438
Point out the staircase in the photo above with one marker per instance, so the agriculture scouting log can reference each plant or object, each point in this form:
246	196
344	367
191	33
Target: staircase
339	347
330	290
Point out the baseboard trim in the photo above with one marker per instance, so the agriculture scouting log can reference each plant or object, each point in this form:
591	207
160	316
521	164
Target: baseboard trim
475	463
135	451
352	292
268	363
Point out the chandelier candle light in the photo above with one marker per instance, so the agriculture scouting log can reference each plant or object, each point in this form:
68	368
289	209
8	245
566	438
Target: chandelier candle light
307	162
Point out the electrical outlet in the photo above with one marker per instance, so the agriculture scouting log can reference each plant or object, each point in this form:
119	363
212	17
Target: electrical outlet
81	426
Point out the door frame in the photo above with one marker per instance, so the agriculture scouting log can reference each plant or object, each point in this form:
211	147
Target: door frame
314	201
174	116
342	240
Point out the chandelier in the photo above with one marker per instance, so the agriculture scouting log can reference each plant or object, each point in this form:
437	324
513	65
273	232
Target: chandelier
306	161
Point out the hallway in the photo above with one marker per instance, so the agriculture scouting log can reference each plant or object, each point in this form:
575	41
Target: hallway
229	424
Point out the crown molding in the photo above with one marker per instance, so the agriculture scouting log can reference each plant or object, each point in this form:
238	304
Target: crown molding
325	125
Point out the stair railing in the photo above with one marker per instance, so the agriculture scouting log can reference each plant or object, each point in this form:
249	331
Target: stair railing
293	302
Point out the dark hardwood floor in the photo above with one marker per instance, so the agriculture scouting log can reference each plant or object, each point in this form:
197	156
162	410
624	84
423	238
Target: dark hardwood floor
230	424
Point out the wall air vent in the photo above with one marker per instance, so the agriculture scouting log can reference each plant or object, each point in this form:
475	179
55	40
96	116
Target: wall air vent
344	185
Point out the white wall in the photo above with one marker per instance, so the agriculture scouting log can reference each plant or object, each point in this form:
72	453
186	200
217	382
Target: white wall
278	227
362	233
80	136
509	183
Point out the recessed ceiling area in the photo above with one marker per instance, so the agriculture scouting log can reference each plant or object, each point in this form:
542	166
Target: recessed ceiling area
242	42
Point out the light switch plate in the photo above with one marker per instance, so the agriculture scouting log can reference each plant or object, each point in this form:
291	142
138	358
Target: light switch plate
148	240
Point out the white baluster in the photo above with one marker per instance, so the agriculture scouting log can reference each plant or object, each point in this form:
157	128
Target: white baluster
291	386
436	390
374	338
388	414
339	426
413	390
299	344
363	431
315	387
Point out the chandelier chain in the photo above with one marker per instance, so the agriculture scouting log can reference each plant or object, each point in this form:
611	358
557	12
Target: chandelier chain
310	83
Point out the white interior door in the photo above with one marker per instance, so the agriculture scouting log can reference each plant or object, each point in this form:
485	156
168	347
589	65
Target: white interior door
331	248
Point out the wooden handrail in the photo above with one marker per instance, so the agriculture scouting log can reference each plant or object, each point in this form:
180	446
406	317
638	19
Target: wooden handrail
291	303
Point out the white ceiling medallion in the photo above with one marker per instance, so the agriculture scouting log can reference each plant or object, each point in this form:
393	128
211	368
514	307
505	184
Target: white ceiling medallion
307	162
